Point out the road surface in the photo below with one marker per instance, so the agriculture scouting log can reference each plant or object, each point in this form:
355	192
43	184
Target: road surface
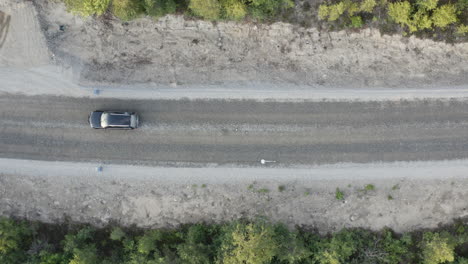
207	133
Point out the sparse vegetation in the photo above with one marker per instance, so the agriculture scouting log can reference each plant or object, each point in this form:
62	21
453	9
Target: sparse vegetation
281	188
236	242
263	190
369	187
412	16
339	195
203	185
389	197
206	9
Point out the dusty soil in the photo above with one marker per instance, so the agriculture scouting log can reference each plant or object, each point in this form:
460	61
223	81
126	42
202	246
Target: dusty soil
423	195
177	51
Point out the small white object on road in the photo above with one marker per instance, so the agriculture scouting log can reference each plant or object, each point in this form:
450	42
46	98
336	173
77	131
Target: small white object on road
263	162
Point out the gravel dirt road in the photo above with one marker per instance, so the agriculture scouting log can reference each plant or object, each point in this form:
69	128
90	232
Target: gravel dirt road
205	132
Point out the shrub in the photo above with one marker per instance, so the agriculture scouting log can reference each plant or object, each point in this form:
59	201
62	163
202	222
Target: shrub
351	7
356	21
427	4
208	9
462	30
127	9
462	5
335	11
233	9
323	11
367	6
444	15
117	234
158	8
87	8
421	20
263	9
339	195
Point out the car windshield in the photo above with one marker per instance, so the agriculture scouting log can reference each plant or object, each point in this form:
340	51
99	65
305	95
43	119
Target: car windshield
115	120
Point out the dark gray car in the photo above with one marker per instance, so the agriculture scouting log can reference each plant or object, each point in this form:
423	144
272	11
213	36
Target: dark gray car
113	119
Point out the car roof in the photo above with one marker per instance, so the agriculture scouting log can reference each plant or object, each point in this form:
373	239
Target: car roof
116	119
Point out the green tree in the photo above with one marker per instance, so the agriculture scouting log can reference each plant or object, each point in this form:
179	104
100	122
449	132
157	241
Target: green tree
340	248
400	12
444	15
356	21
13	236
421	20
462	30
292	247
427	5
462	261
233	9
85	255
437	248
127	9
207	9
352	7
197	248
87	8
252	243
396	249
335	11
263	9
367	6
158	8
117	234
323	11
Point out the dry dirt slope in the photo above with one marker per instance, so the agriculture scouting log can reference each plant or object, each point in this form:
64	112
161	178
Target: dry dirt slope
422	194
175	50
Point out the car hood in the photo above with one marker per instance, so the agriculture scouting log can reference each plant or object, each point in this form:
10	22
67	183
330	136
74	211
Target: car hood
95	119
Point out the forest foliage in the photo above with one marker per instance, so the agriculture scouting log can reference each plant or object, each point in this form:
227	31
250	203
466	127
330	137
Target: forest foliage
238	242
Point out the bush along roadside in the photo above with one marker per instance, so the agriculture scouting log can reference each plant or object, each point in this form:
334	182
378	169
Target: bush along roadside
436	19
262	10
257	242
439	19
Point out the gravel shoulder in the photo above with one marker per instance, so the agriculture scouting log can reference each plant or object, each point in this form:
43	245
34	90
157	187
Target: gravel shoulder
174	58
423	194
